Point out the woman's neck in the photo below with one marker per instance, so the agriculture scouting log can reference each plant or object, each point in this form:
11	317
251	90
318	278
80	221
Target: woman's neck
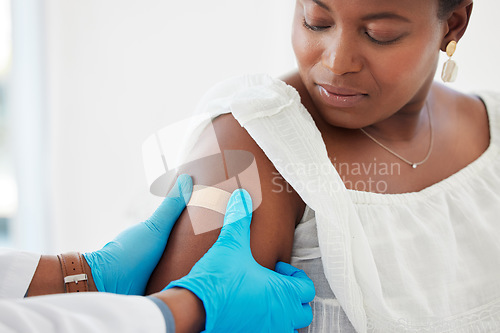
405	125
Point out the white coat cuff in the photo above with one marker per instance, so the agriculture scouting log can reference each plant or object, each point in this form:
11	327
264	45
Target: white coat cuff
17	271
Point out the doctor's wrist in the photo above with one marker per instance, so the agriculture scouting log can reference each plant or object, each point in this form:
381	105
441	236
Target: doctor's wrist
186	308
49	277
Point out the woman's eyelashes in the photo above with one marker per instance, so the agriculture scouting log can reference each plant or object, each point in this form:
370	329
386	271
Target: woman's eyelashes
315	27
372	36
383	40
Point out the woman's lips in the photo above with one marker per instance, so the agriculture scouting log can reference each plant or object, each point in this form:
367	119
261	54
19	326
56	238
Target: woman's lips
340	97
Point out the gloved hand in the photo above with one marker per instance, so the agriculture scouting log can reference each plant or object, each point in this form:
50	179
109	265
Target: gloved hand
124	265
240	295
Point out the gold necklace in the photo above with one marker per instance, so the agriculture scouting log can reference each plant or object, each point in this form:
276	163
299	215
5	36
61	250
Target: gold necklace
414	165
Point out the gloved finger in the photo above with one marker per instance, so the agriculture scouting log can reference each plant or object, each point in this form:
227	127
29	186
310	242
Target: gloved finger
304	317
299	279
165	216
239	207
238	218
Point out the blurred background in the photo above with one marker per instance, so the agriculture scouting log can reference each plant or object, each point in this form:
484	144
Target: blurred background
84	83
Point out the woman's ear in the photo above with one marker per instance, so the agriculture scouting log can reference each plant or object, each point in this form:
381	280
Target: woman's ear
457	23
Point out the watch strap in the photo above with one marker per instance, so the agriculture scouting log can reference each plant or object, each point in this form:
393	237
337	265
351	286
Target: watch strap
75	278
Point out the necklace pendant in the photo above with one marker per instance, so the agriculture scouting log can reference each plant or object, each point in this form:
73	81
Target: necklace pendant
414	165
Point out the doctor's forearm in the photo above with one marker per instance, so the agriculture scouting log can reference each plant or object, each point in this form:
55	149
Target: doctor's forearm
187	309
48	277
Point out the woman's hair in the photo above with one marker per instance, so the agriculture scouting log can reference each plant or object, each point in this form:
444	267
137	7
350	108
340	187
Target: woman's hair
446	6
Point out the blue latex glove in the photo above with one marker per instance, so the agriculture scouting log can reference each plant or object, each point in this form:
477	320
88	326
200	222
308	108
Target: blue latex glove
124	265
240	295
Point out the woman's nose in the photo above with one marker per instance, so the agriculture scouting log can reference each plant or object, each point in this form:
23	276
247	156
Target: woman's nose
341	57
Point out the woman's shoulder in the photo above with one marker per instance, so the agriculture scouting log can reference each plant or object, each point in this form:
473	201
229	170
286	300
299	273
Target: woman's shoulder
232	138
248	94
491	101
232	102
485	103
253	91
481	109
474	114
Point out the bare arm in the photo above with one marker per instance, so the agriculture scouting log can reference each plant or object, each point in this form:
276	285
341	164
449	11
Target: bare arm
273	222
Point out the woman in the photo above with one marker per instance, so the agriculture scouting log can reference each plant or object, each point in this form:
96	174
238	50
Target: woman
394	179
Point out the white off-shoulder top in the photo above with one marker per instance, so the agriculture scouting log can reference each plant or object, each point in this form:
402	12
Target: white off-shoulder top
427	261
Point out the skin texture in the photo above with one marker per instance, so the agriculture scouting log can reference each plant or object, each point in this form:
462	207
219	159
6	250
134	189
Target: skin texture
395	81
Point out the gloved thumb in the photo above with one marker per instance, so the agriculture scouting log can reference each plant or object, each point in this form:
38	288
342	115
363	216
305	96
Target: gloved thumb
238	218
298	280
165	216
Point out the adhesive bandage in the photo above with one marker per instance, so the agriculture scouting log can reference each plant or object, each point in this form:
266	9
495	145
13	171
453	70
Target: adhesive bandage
208	197
191	147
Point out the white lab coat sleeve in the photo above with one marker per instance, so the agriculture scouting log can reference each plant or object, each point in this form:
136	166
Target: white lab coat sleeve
81	313
16	271
72	313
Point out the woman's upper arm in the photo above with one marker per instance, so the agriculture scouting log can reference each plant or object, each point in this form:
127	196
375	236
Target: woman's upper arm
273	222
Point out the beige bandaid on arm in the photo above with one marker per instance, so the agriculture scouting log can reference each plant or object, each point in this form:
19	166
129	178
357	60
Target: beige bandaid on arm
210	198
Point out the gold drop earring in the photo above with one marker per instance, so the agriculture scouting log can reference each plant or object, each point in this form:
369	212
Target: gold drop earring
450	67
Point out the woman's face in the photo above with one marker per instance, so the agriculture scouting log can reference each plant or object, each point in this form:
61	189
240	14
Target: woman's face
363	60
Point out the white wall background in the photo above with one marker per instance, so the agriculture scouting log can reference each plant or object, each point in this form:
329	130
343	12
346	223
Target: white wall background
117	70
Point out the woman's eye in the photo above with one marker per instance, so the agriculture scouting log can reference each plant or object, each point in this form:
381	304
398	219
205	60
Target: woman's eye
315	27
386	40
